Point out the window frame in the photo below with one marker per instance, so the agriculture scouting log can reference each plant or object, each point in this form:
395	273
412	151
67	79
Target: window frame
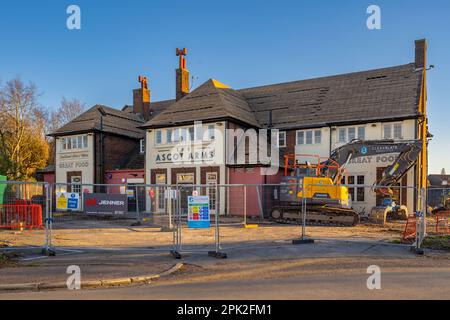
281	133
158	133
142	146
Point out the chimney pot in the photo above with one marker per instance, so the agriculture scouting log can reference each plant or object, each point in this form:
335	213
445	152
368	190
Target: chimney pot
182	75
141	99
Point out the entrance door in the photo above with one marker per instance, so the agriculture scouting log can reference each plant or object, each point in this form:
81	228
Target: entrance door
185	182
211	181
160	198
75	182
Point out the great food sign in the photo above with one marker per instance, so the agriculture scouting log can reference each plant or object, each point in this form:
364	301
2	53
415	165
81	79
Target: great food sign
105	204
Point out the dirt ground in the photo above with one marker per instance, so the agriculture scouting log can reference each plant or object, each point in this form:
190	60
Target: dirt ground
122	234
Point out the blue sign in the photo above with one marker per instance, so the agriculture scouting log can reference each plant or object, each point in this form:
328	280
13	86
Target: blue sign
198	213
363	150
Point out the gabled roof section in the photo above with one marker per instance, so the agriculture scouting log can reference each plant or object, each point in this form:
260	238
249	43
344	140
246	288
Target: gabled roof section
114	121
387	93
210	101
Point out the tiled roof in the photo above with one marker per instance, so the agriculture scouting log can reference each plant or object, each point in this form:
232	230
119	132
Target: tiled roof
210	101
388	93
114	121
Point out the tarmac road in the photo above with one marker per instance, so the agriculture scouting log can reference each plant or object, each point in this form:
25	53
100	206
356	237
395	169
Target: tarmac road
315	278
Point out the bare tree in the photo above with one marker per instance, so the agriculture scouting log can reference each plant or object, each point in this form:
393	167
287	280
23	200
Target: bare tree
66	112
23	145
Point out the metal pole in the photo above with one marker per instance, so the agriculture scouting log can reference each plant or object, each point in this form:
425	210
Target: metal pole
137	203
169	201
303	213
217	236
245	205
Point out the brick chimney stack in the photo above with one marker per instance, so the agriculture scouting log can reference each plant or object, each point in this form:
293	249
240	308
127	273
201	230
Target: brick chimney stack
141	99
421	54
182	75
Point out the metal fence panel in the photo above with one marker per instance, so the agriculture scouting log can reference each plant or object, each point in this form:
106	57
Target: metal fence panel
24	214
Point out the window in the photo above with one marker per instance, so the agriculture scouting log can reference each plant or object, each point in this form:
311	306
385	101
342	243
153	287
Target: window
199	133
342	135
142	146
300	137
183	134
356	190
318	136
393	131
398	131
176	135
169	135
309	137
351	134
211	132
191	133
387	129
362	133
158	138
281	139
75	142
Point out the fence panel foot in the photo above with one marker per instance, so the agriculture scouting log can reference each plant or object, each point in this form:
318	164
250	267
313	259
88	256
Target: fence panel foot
175	254
217	254
49	252
302	241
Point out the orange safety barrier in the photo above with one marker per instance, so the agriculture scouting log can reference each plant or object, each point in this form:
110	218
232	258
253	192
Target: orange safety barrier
442	222
18	216
410	229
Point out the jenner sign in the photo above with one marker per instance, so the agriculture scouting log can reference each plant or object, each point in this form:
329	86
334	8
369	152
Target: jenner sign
104	203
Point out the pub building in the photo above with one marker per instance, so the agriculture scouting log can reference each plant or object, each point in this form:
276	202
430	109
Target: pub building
183	141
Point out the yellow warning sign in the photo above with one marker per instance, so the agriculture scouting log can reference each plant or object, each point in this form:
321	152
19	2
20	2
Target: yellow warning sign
61	201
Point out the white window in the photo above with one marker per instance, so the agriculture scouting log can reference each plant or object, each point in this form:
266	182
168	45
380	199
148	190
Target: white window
211	132
318	136
198	133
142	145
169	135
342	135
176	135
351	134
362	133
158	138
183	134
387	131
398	131
281	139
76	142
300	138
191	133
309	137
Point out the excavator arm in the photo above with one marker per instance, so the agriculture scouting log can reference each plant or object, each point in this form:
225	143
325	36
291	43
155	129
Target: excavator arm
408	151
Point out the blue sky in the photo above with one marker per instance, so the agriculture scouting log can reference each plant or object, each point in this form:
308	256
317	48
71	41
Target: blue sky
241	43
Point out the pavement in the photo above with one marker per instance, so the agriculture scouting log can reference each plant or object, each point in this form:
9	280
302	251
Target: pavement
326	269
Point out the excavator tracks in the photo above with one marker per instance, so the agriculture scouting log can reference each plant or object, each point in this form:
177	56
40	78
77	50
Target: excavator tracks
315	215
